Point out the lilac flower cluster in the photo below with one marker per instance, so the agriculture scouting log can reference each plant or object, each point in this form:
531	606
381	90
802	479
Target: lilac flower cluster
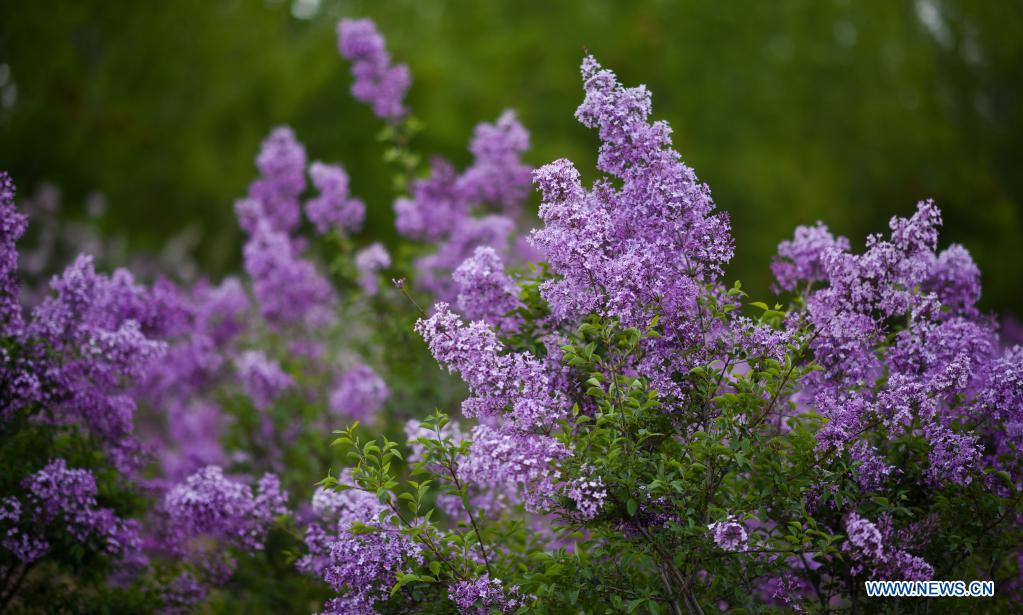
485	291
333	208
92	328
484	595
942	354
498	381
628	252
873	553
448	208
729	535
208	504
378	83
263	380
369	261
66	497
361	566
274	196
359	393
589	494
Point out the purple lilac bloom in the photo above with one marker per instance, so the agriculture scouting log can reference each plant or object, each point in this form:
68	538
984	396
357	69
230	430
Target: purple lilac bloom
378	83
800	260
497	175
625	252
873	554
523	462
369	261
97	347
899	341
335	512
334	208
359	393
516	382
435	208
209	504
12	226
274	196
263	380
589	494
59	494
485	291
729	535
484	595
287	287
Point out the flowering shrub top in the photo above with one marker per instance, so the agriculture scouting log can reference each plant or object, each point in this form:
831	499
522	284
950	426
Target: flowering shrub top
636	435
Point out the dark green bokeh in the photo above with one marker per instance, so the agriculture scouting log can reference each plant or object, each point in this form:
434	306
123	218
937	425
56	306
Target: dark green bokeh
847	112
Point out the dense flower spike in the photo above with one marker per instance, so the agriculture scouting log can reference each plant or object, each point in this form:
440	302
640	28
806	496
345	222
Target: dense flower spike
369	261
334	208
61	495
800	260
12	226
263	380
644	248
515	382
274	196
91	324
497	175
359	393
484	595
378	83
288	288
210	504
485	292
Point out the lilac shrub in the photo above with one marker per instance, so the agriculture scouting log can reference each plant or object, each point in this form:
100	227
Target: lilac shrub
649	438
635	433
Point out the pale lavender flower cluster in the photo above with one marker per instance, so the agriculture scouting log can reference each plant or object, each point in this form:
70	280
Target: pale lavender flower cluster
359	393
334	208
12	227
873	553
59	494
287	287
450	209
484	595
800	259
369	261
361	566
729	535
485	291
378	83
878	371
92	327
208	504
335	512
262	379
274	196
525	463
589	494
628	252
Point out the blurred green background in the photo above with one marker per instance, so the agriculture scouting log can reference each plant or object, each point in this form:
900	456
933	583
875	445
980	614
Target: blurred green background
792	111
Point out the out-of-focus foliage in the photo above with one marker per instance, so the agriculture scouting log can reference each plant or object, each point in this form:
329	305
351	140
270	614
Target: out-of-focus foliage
794	111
